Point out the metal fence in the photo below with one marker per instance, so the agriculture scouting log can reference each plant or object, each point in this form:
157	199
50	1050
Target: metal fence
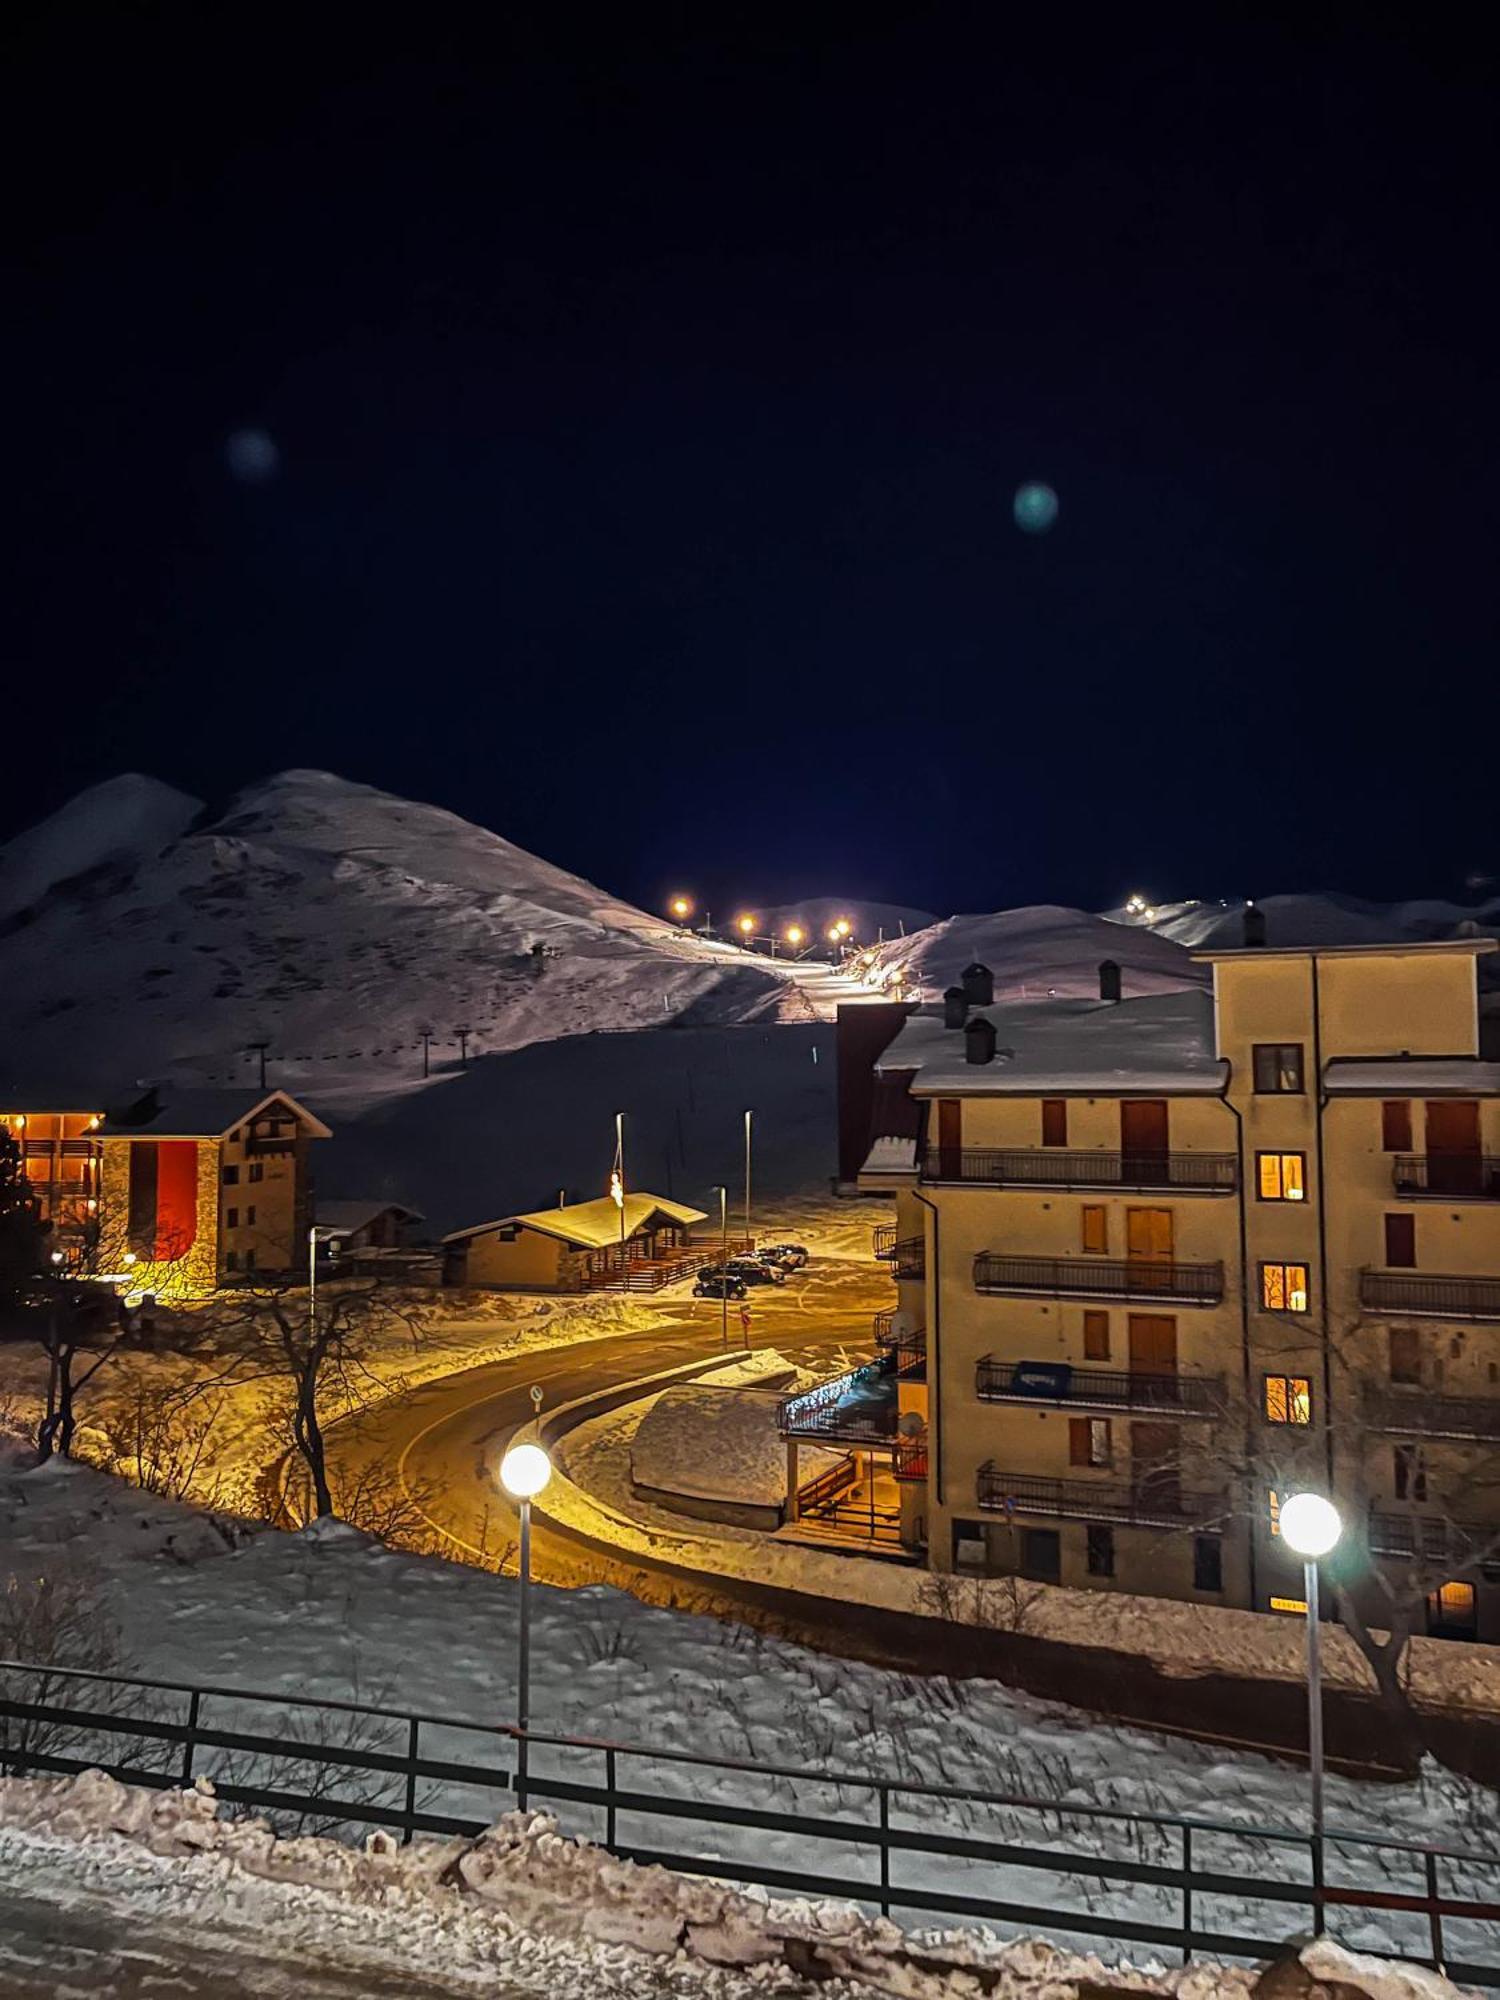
1098	1874
1046	1166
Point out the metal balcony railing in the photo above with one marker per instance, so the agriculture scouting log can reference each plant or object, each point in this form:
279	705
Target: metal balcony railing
911	1460
1430	1294
1415	1413
1448	1176
1058	1384
1057	1167
883	1238
909	1258
906	1352
1433	1538
853	1408
1149	1502
1100	1278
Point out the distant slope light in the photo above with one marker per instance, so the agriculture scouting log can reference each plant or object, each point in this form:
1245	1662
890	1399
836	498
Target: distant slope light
1035	508
252	456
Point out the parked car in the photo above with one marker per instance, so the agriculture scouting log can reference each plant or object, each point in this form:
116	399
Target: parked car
790	1256
719	1285
755	1273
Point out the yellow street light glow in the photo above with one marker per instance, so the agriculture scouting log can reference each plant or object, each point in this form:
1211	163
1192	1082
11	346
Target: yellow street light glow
129	1256
681	907
745	926
834	934
843	927
794	933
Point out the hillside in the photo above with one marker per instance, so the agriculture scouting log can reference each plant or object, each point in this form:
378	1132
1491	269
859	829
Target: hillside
332	921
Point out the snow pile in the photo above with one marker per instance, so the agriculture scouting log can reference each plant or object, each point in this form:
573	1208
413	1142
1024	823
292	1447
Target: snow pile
712	1442
475	1903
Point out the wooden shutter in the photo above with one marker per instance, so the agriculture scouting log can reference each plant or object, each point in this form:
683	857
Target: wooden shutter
1078	1440
1095	1230
1401	1242
1054	1121
1096	1336
1395	1125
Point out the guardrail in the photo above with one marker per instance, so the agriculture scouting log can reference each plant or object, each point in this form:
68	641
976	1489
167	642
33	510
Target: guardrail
1057	1167
358	1766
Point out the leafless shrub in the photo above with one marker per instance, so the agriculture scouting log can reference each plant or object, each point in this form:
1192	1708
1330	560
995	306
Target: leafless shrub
167	1448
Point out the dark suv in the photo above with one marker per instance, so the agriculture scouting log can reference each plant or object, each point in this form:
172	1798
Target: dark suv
719	1285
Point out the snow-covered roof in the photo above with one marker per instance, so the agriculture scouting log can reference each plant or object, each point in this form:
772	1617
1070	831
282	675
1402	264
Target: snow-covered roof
588	1224
1394	948
347	1218
1159	1045
1412	1076
167	1113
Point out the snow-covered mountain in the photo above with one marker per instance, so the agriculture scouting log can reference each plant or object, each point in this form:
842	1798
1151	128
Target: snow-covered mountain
1326	919
334	922
867	920
1037	952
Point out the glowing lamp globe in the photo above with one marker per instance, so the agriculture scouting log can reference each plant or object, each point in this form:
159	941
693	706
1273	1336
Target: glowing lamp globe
524	1471
1310	1525
1035	508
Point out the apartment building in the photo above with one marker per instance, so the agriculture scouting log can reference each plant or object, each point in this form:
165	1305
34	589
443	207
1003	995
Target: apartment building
1161	1259
172	1191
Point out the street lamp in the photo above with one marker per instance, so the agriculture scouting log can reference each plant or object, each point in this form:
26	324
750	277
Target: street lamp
681	908
746	927
1310	1527
524	1471
794	935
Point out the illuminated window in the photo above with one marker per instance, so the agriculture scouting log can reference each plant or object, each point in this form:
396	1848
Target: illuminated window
1273	1509
1295	1604
1288	1399
1278	1068
1096	1336
1283	1288
1281	1176
1095	1231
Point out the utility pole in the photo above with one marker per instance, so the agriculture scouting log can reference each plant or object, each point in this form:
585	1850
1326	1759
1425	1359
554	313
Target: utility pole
749	1116
723	1194
617	1190
426	1034
259	1049
463	1035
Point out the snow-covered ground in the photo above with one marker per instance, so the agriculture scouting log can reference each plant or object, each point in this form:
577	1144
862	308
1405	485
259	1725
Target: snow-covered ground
102	1880
326	1613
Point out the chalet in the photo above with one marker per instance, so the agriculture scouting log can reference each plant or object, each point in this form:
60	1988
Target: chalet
590	1245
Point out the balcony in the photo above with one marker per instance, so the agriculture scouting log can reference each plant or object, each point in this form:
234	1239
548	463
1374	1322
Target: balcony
1056	1167
1148	1503
1058	1385
1447	1176
1430	1294
905	1353
907	1258
1432	1538
911	1460
1414	1413
855	1408
883	1239
1143	1280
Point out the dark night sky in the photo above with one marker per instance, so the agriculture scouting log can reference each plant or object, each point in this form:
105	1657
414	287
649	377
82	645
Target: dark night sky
651	393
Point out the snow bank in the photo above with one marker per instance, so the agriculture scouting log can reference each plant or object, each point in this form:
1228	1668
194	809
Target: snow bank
523	1879
713	1443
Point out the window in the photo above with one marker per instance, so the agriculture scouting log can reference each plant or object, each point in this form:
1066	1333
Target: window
231	1176
1101	1551
1281	1176
1288	1399
1452	1612
1089	1441
1208	1563
1095	1231
231	1218
1096	1336
257	1170
1283	1288
1054	1121
1395	1125
249	1260
1278	1068
1401	1242
1410	1472
232	1260
250	1215
1041	1554
1406	1357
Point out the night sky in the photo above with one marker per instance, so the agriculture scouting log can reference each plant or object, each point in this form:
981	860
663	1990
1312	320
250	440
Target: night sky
650	393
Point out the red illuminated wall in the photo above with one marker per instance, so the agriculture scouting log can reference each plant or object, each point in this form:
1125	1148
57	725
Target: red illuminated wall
176	1197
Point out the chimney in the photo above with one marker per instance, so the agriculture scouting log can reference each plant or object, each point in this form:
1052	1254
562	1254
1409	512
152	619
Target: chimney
1109	980
979	985
955	1007
1254	927
979	1040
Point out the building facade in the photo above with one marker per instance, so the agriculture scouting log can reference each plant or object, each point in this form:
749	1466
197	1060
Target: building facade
1161	1260
174	1193
639	1243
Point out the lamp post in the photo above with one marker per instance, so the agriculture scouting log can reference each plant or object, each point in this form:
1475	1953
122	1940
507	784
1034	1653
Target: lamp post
723	1194
1310	1527
749	1117
524	1471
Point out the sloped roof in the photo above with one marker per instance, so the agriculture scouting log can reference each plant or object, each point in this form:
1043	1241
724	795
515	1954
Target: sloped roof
346	1218
1156	1045
167	1113
1411	1076
589	1225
